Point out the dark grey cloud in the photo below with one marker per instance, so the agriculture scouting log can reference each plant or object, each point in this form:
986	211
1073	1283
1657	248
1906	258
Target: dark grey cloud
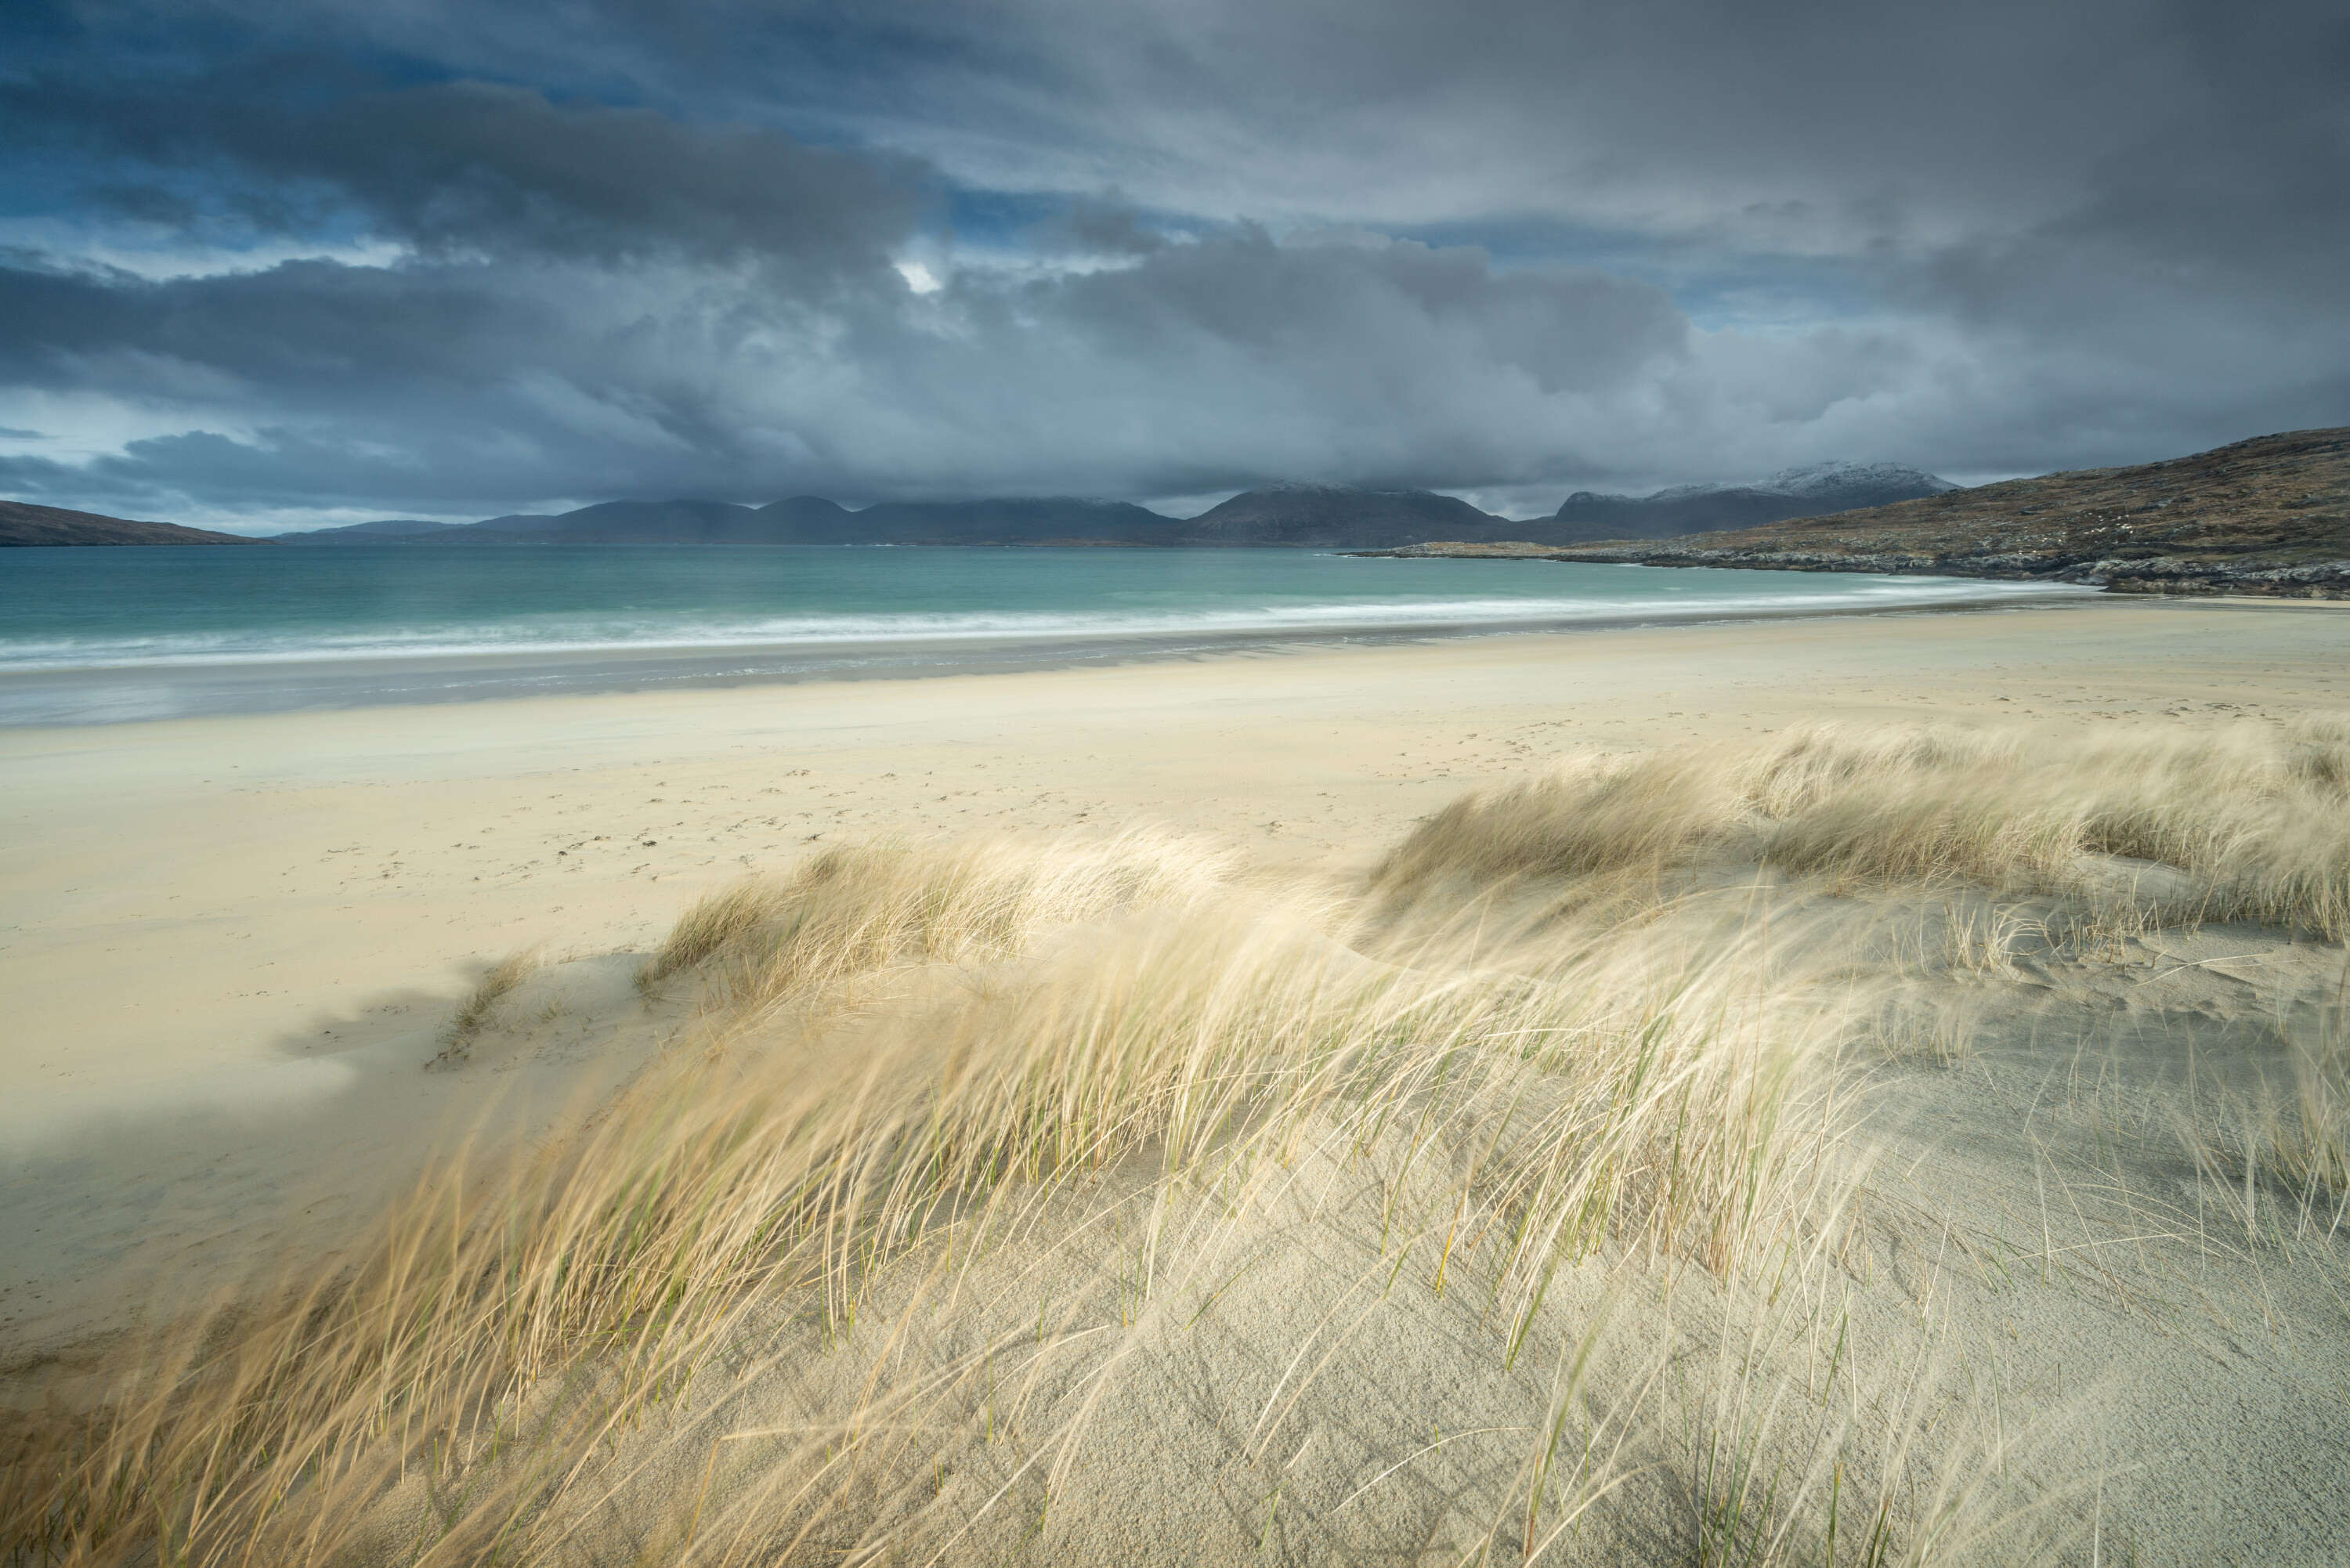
1814	123
752	246
1207	363
466	167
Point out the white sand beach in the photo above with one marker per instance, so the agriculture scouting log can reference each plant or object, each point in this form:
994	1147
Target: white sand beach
2071	1319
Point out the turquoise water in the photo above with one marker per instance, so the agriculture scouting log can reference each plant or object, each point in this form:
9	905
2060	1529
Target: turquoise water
84	632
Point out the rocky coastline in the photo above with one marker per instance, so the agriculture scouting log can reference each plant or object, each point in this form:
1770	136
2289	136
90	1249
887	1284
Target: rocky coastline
2156	575
2268	517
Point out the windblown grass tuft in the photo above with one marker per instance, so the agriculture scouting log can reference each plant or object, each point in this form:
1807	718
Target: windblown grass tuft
2140	825
2282	1150
863	907
480	1002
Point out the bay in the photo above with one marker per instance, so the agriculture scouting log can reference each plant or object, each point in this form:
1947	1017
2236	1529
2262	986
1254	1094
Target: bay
111	635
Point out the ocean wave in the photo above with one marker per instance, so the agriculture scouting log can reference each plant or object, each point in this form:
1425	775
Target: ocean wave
570	634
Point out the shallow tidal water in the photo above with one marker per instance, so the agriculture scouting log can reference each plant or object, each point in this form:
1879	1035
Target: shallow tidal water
94	635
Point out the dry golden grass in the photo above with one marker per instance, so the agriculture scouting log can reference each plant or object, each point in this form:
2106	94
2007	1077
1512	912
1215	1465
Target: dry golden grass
863	907
2249	823
2307	1147
2277	1156
1538	1046
1626	1095
480	1002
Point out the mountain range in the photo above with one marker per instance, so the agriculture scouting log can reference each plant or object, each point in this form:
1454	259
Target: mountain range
1319	516
1322	516
1305	514
1819	490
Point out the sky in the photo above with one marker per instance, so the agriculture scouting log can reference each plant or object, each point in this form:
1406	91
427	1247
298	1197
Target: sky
266	265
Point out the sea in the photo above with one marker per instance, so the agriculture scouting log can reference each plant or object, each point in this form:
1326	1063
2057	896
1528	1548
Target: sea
115	635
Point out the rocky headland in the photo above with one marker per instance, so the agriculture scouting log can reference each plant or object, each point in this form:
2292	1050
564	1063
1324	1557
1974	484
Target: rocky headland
2267	517
24	524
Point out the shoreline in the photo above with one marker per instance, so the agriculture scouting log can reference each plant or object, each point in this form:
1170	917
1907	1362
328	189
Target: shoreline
2157	577
74	697
253	874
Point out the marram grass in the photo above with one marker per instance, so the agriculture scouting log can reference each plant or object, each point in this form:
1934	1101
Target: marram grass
1601	1021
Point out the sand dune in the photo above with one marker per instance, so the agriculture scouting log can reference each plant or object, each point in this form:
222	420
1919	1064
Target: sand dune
1606	1131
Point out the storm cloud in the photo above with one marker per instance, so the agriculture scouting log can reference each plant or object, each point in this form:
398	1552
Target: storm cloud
264	265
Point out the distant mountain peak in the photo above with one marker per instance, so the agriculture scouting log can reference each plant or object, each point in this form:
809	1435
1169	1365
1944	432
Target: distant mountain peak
1811	490
1316	487
1831	480
1346	516
1839	474
384	529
